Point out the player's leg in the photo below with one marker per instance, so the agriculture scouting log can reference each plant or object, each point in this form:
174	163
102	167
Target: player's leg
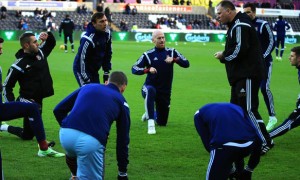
268	96
253	159
282	47
246	93
79	74
88	151
277	47
15	110
252	100
66	42
91	161
68	138
149	94
72	165
282	128
220	164
162	108
71	41
286	126
252	88
28	131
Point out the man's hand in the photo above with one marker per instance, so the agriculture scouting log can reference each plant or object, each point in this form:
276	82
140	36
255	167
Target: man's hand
152	70
219	55
43	36
169	60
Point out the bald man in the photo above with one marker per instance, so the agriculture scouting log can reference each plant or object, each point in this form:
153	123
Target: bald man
158	64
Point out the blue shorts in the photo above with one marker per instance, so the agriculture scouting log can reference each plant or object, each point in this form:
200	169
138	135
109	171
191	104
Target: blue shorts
88	151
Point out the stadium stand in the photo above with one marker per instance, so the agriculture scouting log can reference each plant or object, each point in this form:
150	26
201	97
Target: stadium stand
141	20
149	20
11	22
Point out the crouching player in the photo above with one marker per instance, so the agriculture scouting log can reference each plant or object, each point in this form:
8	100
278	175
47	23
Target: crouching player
229	136
294	118
85	117
14	110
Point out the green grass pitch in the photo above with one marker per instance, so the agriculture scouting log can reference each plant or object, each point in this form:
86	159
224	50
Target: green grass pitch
176	151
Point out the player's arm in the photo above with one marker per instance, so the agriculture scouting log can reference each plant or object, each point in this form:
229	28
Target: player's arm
65	106
107	59
48	43
123	128
179	59
267	32
202	130
84	53
141	66
11	79
241	42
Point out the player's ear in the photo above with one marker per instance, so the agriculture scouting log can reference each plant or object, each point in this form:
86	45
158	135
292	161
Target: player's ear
26	45
94	24
122	88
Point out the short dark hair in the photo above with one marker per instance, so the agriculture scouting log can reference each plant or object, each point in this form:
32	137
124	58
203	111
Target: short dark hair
67	15
97	15
227	4
296	50
25	38
280	17
118	78
1	40
251	5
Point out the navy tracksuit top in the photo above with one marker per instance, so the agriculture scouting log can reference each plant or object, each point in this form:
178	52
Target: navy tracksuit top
155	57
220	123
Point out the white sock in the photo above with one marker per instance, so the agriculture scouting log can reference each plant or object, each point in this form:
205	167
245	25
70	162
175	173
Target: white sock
151	122
4	127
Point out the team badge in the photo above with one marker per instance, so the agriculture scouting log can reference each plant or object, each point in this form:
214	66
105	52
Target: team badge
38	57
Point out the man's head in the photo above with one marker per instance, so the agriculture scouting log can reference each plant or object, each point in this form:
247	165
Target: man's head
250	10
280	17
295	56
99	21
67	16
225	12
29	43
158	38
119	79
1	45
